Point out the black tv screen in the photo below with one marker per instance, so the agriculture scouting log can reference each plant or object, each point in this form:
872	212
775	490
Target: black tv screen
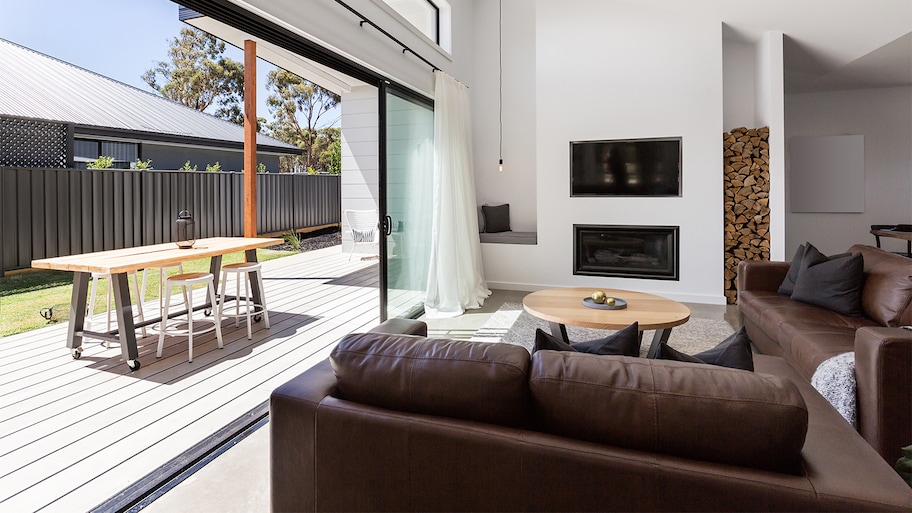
628	167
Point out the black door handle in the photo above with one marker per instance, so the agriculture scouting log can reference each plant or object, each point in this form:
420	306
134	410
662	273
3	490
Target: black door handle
388	225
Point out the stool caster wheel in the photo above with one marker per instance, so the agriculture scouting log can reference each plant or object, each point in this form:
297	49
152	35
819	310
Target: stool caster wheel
77	353
133	364
257	318
207	312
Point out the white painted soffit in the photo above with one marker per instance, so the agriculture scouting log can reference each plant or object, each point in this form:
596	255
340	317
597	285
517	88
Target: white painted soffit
296	15
323	76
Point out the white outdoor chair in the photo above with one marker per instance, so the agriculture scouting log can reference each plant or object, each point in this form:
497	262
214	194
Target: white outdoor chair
364	226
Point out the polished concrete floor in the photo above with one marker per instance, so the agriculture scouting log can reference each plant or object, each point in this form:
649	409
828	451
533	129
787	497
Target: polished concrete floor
238	480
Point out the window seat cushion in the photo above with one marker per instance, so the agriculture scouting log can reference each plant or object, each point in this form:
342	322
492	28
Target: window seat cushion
509	238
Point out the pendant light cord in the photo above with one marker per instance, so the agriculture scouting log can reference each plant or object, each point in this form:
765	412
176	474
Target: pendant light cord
500	63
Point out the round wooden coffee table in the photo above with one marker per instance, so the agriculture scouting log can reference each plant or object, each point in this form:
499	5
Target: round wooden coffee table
565	306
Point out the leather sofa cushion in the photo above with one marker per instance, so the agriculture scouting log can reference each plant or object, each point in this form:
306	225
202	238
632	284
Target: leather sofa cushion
806	344
887	292
450	378
768	310
681	409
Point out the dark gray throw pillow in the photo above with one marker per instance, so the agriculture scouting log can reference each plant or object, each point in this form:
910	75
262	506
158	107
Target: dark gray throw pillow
546	341
833	283
734	352
666	352
788	284
497	218
625	342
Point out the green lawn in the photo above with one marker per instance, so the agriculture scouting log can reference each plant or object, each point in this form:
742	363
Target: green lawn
24	295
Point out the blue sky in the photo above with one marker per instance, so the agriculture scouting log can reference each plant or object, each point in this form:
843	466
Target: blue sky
120	39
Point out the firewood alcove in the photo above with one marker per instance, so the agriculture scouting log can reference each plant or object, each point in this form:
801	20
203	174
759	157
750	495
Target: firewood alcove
746	188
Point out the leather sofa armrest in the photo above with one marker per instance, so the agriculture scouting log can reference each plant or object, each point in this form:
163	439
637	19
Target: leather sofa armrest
396	326
761	275
292	441
883	375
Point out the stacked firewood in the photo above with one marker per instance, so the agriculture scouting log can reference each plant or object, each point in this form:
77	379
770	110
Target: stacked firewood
746	161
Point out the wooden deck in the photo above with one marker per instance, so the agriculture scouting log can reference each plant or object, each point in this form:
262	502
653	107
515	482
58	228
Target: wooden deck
74	433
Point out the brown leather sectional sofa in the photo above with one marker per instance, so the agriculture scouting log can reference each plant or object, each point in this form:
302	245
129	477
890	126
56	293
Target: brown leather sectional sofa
806	335
407	423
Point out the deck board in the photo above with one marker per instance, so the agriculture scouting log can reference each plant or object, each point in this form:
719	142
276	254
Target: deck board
75	432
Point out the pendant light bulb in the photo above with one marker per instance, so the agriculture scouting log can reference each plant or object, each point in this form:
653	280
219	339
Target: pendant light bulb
500	167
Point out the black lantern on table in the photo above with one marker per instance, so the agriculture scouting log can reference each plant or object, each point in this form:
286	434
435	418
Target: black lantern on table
185	230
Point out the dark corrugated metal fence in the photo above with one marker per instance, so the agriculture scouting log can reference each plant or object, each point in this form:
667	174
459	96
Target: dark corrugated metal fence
54	212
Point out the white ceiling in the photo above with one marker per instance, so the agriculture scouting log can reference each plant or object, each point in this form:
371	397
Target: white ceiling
829	44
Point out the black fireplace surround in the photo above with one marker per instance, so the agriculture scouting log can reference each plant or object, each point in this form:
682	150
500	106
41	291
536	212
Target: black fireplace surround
649	252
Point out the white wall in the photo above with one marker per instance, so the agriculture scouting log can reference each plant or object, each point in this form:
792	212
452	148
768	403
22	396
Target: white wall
884	117
770	111
739	62
360	157
516	185
616	69
754	97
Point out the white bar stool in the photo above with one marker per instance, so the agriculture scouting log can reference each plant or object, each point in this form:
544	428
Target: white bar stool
251	309
136	291
162	274
186	282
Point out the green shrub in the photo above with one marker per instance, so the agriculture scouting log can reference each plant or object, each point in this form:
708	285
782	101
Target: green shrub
293	240
187	167
213	168
145	164
101	162
261	168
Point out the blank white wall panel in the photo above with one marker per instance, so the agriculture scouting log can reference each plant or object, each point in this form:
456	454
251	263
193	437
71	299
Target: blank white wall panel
827	174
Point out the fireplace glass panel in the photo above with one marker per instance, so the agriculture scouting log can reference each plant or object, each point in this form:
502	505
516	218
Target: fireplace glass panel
626	251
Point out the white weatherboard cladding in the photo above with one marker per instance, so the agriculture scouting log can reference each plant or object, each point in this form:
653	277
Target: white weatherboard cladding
360	156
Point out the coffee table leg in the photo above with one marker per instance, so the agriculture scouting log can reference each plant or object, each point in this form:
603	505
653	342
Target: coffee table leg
560	331
660	337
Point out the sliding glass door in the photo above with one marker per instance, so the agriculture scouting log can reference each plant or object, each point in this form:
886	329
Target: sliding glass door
405	189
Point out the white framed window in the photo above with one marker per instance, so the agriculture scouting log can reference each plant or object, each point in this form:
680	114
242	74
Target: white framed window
430	17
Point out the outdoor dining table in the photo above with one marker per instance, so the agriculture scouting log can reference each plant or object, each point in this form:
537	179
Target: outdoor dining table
117	263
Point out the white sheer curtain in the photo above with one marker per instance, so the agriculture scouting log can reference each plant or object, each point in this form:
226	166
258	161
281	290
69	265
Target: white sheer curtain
455	275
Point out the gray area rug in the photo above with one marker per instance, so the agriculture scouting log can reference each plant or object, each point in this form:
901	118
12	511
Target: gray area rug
512	325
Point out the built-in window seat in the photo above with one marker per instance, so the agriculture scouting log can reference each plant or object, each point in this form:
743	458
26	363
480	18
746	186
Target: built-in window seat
494	227
509	238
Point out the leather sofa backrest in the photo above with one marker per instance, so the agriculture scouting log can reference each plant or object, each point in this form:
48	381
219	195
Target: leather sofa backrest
448	378
681	409
887	293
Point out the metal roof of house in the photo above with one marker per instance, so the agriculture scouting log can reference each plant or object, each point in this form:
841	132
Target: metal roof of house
35	85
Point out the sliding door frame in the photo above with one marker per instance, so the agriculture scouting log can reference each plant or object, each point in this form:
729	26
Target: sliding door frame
241	19
387	87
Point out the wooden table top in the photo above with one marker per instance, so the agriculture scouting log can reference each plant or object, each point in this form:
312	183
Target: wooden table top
893	233
156	255
565	306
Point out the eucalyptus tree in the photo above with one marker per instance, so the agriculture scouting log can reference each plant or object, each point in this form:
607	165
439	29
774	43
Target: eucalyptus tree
198	75
300	109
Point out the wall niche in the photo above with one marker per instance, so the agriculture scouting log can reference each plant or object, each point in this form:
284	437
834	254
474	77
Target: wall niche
746	189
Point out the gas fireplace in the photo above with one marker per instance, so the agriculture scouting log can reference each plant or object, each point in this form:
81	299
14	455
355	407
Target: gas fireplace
647	252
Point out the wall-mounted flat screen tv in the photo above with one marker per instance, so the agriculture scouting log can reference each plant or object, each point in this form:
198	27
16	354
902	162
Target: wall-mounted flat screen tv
626	167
